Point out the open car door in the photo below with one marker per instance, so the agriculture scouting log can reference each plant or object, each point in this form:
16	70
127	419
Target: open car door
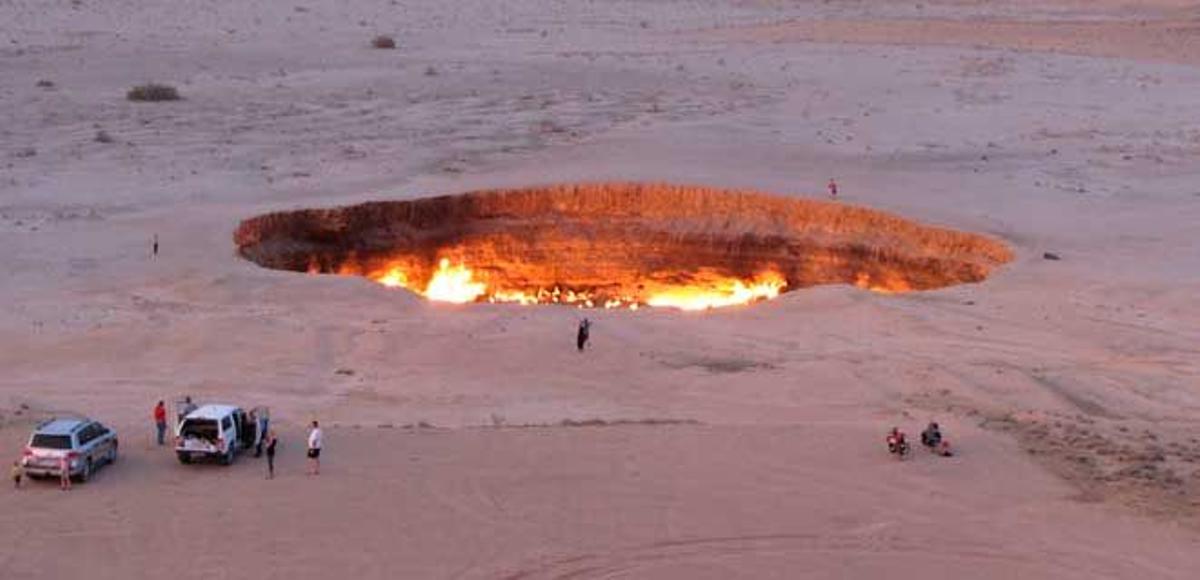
262	422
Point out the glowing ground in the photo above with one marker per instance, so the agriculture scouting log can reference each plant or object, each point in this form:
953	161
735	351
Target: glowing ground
618	245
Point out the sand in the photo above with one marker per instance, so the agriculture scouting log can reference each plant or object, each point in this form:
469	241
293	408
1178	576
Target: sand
744	443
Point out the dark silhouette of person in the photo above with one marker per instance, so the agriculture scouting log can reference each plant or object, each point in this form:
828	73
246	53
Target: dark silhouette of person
272	442
581	339
155	245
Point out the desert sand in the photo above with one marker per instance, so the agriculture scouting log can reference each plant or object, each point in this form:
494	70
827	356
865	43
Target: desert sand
473	441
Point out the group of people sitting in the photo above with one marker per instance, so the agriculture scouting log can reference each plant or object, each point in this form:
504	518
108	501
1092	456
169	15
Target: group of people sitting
931	439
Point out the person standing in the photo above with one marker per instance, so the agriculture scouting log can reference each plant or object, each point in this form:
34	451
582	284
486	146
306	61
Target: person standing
18	473
833	189
154	246
272	441
188	407
160	420
581	338
265	420
64	473
314	449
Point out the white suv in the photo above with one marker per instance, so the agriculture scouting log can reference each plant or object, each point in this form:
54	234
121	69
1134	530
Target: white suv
218	432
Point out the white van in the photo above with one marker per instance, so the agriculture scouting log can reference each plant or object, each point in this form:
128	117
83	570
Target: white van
218	432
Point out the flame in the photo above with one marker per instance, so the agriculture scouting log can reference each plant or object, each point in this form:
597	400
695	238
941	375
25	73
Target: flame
394	277
456	282
453	284
727	292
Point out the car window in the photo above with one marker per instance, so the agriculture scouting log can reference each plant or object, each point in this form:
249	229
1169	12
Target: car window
227	424
85	435
51	441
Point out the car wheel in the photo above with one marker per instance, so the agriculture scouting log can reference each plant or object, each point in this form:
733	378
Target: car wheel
184	458
86	473
227	458
112	453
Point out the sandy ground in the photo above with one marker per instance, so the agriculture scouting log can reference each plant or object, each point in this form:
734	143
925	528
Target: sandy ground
738	444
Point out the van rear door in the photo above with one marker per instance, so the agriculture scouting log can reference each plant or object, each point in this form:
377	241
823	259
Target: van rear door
199	435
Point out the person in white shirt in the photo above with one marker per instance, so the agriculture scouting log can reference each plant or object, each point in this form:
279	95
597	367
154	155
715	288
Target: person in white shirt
314	449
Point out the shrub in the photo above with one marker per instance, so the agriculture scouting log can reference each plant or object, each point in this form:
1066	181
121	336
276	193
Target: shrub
153	92
383	41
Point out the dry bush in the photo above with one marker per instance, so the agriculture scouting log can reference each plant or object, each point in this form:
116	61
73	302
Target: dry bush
152	92
383	41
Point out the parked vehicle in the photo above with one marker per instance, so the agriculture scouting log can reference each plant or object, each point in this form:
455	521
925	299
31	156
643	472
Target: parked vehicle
85	443
218	432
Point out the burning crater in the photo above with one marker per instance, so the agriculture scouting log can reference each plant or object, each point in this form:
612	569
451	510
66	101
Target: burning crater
617	245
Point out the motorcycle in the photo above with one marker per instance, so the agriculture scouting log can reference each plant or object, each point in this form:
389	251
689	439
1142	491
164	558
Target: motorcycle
897	445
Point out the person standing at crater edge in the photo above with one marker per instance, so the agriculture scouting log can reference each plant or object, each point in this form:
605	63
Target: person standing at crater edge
833	189
581	339
272	442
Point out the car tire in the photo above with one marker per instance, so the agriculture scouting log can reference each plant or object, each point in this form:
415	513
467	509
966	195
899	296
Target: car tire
227	458
86	473
112	454
184	458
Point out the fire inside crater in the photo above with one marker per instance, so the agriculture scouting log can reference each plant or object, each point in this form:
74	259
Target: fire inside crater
617	245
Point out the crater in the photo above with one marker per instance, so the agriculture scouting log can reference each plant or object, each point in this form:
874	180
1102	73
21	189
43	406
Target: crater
618	245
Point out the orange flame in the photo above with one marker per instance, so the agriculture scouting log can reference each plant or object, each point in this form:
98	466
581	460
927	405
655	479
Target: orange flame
705	289
453	284
724	292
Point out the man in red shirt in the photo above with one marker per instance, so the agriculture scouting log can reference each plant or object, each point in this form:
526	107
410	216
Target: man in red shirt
160	420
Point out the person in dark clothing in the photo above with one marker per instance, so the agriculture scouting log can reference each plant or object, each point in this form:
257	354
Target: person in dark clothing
581	339
931	436
932	439
272	441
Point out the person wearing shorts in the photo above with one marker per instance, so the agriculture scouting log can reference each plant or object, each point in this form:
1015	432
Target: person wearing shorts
64	473
314	449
